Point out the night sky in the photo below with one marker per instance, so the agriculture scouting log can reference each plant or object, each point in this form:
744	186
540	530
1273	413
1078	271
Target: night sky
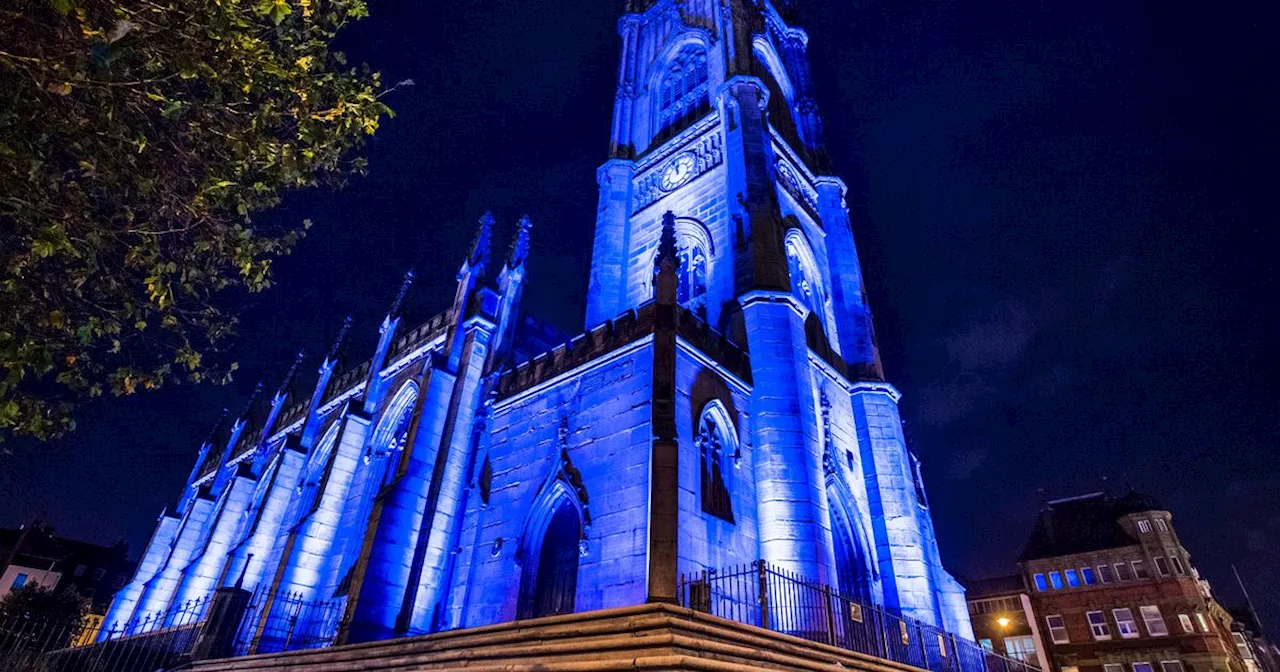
1059	206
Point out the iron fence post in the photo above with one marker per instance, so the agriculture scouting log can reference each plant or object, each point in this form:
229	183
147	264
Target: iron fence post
764	594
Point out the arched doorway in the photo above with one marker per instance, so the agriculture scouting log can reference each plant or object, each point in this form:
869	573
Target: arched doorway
549	583
851	562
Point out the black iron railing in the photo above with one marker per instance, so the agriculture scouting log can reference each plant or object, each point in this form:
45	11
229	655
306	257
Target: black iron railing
276	622
769	597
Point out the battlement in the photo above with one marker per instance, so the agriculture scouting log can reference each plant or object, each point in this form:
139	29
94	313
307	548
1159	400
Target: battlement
623	330
619	332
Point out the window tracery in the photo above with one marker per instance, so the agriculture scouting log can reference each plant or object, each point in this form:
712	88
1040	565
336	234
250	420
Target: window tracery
717	444
685	90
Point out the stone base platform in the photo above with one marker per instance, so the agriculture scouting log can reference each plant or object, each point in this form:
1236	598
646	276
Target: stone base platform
646	637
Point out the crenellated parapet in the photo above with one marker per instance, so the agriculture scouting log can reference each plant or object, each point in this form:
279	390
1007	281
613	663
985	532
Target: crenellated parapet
629	327
615	334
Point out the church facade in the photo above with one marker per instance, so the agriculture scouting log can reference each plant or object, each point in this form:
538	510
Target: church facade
724	404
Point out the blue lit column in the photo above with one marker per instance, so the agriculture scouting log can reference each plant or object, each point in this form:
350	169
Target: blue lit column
265	527
159	593
126	601
895	513
307	557
201	576
383	578
608	283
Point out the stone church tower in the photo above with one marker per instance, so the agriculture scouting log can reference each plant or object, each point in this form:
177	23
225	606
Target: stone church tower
725	403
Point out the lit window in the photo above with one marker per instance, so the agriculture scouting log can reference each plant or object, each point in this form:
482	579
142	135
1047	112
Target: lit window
986	645
1057	629
1246	651
1055	579
1113	667
1073	579
1162	566
1098	624
1142	667
1162	526
1185	620
1144	526
1204	622
1104	574
1123	573
1125	625
1155	622
1171	666
1140	569
1178	568
1088	575
1021	649
1041	584
19	581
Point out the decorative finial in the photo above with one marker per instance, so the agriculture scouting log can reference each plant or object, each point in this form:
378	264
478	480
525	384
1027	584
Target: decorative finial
217	426
337	342
404	291
480	247
288	377
520	246
667	243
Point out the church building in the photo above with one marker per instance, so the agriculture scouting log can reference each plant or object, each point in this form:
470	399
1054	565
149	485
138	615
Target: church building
724	404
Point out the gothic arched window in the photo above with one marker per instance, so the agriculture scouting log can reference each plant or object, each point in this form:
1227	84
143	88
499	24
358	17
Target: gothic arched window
805	281
685	91
717	445
694	249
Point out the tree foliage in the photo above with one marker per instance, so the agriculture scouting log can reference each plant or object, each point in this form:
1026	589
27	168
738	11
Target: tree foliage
137	139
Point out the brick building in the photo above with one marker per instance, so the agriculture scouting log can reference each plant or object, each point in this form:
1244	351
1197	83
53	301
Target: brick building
33	555
1004	620
1114	590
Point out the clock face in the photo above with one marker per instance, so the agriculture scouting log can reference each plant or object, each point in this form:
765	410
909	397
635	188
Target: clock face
679	171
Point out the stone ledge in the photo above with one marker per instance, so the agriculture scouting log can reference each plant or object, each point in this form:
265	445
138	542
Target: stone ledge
650	637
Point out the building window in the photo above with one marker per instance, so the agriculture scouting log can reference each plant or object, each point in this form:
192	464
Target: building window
19	581
717	445
80	570
1185	621
1123	573
1104	574
1125	624
1178	568
1021	649
1155	622
1162	526
1171	666
685	91
1057	629
1144	526
807	285
1162	566
1098	624
1088	575
1041	584
1246	651
986	645
98	574
1055	579
1073	579
1204	622
1142	667
1140	569
1113	667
